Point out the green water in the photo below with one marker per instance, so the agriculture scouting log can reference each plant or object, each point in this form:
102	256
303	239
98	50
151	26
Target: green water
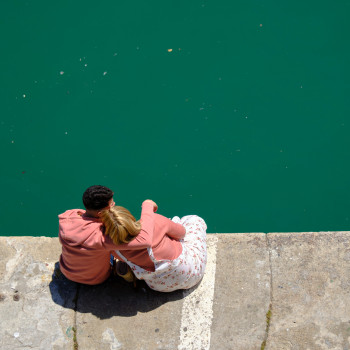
237	111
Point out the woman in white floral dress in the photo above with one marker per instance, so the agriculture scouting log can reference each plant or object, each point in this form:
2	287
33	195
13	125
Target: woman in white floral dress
177	257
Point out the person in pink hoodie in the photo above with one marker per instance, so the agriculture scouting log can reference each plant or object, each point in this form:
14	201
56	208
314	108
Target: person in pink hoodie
86	250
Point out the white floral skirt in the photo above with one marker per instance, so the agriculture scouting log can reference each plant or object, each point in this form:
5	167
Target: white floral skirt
185	271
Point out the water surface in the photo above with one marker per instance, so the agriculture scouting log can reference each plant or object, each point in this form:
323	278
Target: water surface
237	111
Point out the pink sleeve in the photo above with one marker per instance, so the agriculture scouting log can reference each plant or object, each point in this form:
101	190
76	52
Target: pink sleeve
176	231
144	238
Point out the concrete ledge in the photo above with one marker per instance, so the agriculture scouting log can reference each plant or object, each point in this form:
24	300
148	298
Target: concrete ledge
242	291
310	291
260	291
37	310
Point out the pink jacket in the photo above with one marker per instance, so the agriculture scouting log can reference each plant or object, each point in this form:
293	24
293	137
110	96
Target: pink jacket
165	244
86	250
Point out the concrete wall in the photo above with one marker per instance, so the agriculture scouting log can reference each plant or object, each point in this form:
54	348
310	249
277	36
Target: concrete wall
271	291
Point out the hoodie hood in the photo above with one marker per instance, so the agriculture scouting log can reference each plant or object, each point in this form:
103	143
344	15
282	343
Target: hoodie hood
76	229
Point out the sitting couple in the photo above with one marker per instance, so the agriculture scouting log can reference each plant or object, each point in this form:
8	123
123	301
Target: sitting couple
166	254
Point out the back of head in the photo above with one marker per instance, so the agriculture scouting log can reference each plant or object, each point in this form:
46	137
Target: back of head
97	197
120	224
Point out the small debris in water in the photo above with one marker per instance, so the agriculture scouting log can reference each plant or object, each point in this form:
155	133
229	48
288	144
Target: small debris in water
104	73
170	50
61	72
66	133
260	25
24	96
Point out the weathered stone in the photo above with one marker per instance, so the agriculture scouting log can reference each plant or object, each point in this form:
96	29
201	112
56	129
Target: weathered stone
242	292
311	294
115	316
41	309
32	303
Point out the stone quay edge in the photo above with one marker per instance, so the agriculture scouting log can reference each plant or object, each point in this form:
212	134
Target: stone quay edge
275	291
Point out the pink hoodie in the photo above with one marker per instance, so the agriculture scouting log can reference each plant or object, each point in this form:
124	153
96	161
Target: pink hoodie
86	250
166	243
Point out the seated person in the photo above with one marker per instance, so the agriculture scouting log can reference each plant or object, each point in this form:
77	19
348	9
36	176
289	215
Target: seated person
177	256
86	250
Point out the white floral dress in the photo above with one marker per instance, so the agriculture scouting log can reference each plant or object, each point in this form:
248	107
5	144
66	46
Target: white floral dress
183	272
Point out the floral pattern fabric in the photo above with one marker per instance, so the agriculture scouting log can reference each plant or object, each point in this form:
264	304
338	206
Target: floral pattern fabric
185	271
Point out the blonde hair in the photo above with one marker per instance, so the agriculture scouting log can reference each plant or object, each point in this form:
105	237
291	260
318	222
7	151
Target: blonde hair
120	224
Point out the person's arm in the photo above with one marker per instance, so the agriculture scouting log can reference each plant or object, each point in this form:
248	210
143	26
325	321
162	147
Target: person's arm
176	231
145	238
170	228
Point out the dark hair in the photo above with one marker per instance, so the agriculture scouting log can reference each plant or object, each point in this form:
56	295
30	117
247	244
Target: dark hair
97	197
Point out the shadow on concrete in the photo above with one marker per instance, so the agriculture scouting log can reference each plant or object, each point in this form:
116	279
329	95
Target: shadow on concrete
114	297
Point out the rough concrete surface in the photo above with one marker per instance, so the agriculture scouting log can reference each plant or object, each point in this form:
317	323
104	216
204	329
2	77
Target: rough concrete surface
285	291
114	316
29	316
242	292
310	291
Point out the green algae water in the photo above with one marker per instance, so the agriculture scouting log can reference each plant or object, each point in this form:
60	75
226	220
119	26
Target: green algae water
237	111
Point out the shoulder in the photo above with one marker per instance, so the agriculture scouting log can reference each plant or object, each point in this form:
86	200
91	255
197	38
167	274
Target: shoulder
72	213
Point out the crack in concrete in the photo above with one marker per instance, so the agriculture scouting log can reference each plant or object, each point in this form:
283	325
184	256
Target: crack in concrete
269	311
74	328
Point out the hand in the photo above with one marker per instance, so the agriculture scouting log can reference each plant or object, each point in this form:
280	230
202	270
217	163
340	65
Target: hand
155	206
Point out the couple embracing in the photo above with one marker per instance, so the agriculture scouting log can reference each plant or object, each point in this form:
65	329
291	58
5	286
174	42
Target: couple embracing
166	254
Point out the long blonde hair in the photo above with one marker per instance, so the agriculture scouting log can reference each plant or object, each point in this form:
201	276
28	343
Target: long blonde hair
120	224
